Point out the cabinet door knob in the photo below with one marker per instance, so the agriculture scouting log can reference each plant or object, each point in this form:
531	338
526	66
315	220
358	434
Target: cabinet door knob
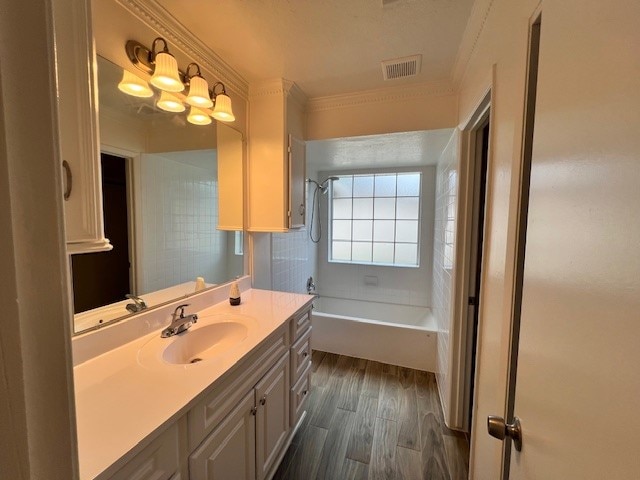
254	410
304	393
305	354
68	184
263	400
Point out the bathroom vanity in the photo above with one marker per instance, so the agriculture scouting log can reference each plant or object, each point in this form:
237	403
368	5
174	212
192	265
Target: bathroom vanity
221	400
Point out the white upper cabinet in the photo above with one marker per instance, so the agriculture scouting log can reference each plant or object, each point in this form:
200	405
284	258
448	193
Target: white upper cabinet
276	158
78	127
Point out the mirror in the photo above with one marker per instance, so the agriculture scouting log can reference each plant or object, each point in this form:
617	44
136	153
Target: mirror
161	191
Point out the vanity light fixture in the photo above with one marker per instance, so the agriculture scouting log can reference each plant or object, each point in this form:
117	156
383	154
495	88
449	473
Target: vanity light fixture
133	85
198	89
170	103
222	110
166	76
198	117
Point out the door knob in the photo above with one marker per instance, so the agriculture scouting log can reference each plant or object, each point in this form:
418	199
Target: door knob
499	429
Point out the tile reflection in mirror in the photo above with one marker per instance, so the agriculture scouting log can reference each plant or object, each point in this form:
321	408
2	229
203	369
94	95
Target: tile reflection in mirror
161	186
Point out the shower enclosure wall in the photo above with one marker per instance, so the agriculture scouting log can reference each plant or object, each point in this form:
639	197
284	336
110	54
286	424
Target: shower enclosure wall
378	312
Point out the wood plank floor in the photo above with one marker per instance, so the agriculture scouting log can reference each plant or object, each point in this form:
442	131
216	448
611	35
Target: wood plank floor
369	420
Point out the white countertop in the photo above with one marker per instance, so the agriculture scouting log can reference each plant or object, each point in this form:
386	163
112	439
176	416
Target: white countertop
119	401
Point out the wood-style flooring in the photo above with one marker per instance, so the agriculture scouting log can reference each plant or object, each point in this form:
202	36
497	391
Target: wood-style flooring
368	420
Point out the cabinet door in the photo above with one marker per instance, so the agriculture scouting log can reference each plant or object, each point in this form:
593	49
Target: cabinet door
229	451
272	420
297	169
84	225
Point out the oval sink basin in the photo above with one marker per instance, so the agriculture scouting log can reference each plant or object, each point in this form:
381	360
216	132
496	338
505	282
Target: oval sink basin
204	343
215	335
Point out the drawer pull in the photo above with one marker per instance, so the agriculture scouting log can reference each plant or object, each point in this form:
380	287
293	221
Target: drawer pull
263	400
304	393
305	354
254	410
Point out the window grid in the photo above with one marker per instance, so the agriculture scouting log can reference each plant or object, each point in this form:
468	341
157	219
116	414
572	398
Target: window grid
353	218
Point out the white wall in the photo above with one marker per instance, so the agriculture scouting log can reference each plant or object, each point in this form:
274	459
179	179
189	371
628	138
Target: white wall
585	142
37	419
444	263
397	109
406	286
176	218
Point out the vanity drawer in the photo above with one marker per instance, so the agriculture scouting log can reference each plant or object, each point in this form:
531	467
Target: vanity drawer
299	394
301	321
158	461
300	355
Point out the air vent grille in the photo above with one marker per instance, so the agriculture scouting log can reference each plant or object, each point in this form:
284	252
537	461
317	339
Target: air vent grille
401	67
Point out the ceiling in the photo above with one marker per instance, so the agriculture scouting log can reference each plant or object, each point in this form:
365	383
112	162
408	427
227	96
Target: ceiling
406	149
328	47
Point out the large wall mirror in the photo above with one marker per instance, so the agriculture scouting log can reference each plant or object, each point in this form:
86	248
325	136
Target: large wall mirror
161	192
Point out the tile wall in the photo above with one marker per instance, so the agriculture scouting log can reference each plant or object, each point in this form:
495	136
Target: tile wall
444	260
290	261
176	216
400	285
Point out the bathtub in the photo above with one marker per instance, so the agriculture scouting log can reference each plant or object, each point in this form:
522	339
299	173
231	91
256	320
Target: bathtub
397	334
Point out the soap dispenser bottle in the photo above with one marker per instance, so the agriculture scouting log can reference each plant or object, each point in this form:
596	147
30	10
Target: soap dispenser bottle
234	294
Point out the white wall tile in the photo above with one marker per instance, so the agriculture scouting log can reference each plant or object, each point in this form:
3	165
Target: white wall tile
176	218
443	257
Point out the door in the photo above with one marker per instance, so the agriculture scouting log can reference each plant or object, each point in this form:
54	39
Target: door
272	419
576	381
229	451
90	289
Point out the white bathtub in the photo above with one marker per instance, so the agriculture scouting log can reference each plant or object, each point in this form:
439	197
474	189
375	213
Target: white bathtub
397	334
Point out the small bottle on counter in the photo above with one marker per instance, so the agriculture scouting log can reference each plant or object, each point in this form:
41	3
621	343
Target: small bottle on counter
234	294
200	285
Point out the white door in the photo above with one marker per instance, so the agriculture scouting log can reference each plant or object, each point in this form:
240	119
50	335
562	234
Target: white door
272	418
229	452
577	388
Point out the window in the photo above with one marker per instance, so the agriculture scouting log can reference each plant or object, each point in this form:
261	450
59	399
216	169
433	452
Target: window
375	219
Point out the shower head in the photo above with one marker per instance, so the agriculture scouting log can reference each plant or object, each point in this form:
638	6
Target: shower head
325	185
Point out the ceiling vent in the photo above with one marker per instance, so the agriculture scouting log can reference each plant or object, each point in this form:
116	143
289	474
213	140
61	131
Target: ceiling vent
401	67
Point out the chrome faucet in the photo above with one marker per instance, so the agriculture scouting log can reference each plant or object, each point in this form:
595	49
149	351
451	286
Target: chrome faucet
138	303
179	322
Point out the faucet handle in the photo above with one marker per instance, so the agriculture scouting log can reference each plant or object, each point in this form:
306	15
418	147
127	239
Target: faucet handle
179	311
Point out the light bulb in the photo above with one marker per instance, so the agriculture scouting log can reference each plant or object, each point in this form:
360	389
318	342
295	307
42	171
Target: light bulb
199	93
165	74
198	117
222	110
133	85
170	103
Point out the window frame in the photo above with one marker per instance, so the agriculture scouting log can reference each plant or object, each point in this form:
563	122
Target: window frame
373	172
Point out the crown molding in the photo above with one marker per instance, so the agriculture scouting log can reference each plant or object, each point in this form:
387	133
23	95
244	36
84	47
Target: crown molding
475	25
382	95
158	18
278	86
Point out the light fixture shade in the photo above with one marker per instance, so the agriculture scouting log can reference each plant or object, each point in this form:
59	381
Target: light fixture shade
222	110
165	74
199	93
198	117
131	84
170	103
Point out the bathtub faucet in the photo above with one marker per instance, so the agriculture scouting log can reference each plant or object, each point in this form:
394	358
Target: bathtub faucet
311	287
